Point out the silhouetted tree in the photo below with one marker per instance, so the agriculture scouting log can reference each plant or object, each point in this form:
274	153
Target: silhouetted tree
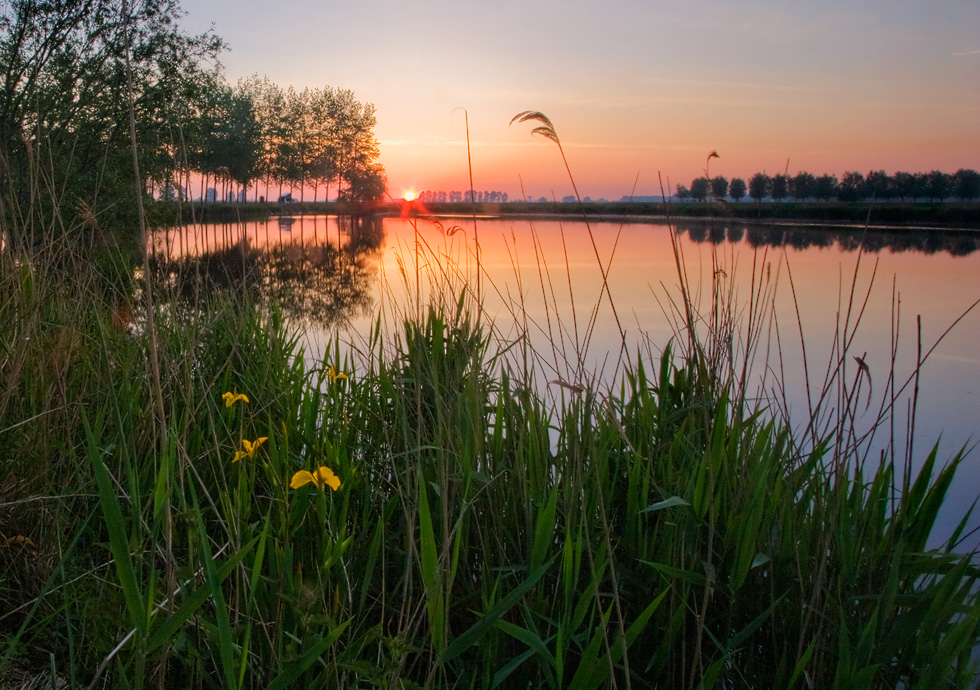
736	190
759	186
878	184
66	94
802	186
699	189
719	187
825	187
939	185
966	184
779	187
851	187
903	185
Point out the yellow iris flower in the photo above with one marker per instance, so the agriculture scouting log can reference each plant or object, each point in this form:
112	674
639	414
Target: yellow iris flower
333	374
250	448
232	398
322	477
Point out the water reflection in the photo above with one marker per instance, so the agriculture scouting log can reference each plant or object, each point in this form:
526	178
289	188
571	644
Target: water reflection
319	271
848	239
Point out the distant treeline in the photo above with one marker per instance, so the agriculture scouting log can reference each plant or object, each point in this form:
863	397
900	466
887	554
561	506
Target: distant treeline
964	185
962	214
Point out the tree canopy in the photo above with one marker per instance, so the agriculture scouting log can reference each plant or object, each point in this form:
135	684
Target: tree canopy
936	185
71	70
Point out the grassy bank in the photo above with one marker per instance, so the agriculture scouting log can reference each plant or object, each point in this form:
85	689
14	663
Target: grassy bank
890	213
157	530
949	214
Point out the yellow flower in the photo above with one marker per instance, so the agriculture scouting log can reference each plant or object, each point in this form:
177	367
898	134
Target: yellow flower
232	398
250	448
333	374
323	477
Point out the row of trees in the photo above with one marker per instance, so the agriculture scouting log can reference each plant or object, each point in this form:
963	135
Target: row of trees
964	184
258	132
72	70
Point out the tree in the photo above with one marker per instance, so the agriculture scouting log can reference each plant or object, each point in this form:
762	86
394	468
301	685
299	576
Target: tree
269	102
966	184
851	187
779	187
699	189
719	187
67	90
939	185
759	186
904	185
365	184
683	193
802	185
737	189
323	163
352	133
825	187
878	184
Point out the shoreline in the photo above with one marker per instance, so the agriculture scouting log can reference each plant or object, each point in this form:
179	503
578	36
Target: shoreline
959	216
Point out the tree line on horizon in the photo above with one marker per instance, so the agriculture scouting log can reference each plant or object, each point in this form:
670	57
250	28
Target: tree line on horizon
75	74
964	184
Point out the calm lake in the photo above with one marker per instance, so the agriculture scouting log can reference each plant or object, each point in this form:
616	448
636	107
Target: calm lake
890	294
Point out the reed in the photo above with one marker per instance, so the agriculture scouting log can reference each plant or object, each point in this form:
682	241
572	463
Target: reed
669	531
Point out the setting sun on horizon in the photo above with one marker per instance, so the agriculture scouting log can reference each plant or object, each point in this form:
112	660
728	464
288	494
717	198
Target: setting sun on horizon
639	94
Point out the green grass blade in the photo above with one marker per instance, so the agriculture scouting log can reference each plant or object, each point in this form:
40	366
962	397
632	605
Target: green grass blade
289	675
116	525
476	631
169	627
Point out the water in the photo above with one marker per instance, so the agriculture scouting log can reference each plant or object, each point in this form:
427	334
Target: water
885	291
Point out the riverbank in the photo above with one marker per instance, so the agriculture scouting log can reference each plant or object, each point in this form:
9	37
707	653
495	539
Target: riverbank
919	214
192	498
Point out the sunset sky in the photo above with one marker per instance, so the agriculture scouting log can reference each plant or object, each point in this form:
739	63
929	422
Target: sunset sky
634	87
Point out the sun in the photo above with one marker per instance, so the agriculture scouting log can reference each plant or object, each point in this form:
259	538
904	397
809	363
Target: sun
409	196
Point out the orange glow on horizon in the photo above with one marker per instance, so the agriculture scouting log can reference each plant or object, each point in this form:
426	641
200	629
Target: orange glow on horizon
409	196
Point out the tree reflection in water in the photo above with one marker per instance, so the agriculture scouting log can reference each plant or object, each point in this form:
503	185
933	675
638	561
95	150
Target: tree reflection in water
932	241
314	281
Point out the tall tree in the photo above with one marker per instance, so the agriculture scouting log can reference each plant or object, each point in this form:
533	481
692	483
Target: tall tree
878	184
323	160
966	184
939	185
779	187
851	187
802	185
719	187
357	150
737	189
825	187
904	185
699	189
759	186
65	94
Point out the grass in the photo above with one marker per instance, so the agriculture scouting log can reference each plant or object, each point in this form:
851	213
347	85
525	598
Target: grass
666	533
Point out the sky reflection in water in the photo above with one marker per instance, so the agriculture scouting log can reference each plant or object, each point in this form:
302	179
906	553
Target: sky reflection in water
543	276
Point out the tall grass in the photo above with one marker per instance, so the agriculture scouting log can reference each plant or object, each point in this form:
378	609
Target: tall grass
666	533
